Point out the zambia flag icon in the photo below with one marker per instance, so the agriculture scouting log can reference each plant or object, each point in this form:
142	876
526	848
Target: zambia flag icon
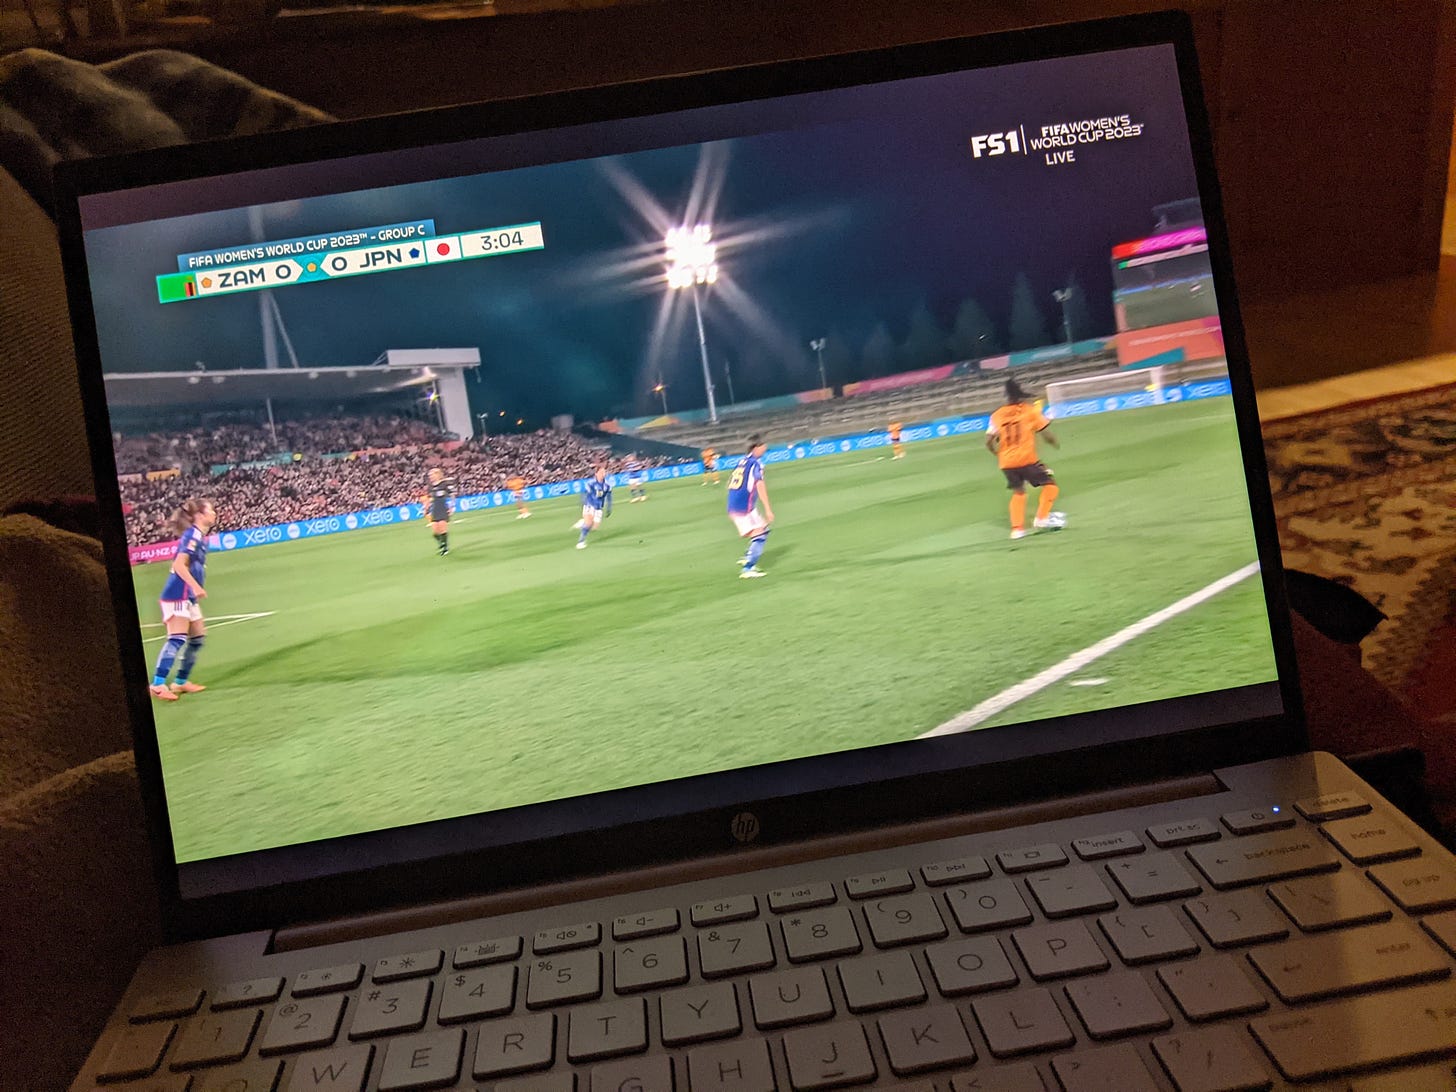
172	287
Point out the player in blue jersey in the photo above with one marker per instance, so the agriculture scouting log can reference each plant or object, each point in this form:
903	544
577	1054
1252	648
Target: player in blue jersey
596	503
637	479
186	630
746	492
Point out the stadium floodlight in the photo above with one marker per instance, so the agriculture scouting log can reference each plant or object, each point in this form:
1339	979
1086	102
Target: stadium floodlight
1063	296
818	346
692	263
661	391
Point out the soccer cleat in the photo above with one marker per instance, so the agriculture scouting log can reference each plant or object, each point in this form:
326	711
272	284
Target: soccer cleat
162	693
524	515
751	574
581	545
577	526
1054	521
1020	532
742	561
187	688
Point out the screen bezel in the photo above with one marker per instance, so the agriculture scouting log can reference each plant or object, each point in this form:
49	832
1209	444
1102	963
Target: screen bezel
965	782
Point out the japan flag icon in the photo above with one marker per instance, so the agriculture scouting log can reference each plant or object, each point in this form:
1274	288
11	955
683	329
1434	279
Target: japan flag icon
446	249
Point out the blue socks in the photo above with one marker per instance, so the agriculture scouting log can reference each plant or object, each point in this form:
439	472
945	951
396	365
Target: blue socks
167	656
755	550
189	657
585	530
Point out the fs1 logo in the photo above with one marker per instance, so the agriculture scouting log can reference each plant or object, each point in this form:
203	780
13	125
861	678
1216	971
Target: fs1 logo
988	144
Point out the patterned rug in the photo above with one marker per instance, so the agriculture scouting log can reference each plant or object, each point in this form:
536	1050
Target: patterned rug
1365	494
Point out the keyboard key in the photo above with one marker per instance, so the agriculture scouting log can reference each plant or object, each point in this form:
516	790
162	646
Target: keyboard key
483	952
1143	936
1214	1059
806	897
1367	839
1023	1077
607	1030
893	882
1314	967
881	982
1121	844
1418	885
1070	891
385	1009
563	978
469	995
1059	951
650	963
970	966
215	1038
1153	878
1263	858
520	1044
1113	1005
732	1067
1185	832
256	991
176	1082
699	1013
1106	1069
1443	928
136	1051
1328	902
926	1039
412	965
1031	858
721	911
328	979
304	1024
649	924
991	905
820	934
790	997
1361	1032
1209	988
1258	821
165	1006
1428	1078
634	1075
958	870
1021	1022
903	920
1237	918
567	938
831	1056
735	949
431	1060
342	1069
1335	805
540	1082
254	1076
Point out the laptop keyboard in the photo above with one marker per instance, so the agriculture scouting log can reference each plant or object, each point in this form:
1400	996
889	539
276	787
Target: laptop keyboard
1291	944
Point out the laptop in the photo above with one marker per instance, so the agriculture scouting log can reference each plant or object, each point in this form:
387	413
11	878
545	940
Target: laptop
757	580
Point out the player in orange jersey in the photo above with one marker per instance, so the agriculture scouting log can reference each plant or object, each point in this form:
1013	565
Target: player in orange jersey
1012	437
710	466
517	486
895	444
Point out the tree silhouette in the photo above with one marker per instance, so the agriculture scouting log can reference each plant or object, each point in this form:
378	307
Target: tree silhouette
973	336
1079	315
925	344
879	352
1028	324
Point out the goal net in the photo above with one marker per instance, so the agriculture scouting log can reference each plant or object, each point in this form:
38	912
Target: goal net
1154	380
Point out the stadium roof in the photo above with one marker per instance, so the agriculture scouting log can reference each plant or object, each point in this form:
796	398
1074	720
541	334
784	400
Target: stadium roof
396	370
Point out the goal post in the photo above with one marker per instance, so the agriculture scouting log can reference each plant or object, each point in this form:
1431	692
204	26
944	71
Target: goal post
1153	380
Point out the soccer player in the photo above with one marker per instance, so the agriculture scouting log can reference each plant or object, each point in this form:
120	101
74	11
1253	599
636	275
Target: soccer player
186	630
596	502
895	444
1012	437
710	466
746	491
517	486
636	479
438	499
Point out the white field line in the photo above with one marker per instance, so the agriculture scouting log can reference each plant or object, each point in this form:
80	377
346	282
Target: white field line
964	722
216	622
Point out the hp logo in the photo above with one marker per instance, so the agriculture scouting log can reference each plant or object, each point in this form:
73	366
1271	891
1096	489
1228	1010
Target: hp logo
745	827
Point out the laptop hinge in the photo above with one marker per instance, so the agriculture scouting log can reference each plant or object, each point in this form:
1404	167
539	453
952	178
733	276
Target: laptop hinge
428	915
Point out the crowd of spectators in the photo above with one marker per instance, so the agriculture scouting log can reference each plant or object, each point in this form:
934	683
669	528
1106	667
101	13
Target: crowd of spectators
312	486
230	442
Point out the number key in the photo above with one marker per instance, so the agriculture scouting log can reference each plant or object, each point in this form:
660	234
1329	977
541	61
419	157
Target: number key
565	938
735	949
490	991
302	1024
646	964
560	979
820	934
397	1007
903	921
214	1038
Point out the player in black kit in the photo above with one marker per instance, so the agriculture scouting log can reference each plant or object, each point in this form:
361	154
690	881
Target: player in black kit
437	500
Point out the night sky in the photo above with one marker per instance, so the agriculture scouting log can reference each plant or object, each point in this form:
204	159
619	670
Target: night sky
831	228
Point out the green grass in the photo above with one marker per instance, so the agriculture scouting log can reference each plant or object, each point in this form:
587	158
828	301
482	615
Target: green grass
392	686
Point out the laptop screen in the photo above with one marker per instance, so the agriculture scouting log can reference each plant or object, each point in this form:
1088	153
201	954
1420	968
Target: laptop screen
529	483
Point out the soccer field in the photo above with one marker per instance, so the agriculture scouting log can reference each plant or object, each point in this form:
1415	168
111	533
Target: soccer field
362	682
